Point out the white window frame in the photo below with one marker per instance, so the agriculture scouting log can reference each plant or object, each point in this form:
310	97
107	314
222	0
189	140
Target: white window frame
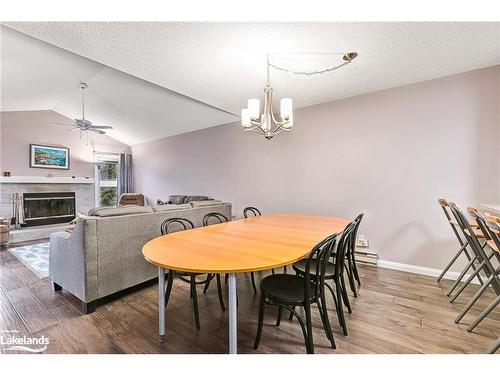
103	158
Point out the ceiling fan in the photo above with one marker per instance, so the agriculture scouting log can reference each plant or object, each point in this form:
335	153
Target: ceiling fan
81	123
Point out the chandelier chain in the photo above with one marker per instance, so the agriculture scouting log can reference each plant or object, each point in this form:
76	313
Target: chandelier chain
311	73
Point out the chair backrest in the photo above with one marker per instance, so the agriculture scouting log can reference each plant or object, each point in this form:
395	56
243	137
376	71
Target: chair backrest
357	222
445	205
216	217
467	230
481	223
344	244
493	224
175	224
251	211
319	256
488	227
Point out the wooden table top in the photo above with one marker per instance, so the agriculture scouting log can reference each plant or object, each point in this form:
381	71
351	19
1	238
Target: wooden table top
245	245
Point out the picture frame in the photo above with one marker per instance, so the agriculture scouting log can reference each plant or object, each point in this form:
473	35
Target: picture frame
49	157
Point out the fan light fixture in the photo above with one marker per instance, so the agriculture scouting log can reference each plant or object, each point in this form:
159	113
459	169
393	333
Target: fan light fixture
82	124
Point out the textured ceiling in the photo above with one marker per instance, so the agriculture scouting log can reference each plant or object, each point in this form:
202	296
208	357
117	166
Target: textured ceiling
38	76
223	64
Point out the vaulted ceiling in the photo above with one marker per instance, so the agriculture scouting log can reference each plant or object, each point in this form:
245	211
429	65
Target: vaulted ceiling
152	80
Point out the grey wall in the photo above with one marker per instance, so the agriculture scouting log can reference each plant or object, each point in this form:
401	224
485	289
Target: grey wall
389	154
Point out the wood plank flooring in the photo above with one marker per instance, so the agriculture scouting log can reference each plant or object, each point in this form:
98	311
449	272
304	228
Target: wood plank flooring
396	312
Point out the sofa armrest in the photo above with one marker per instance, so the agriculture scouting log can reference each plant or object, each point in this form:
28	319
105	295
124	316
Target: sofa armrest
67	261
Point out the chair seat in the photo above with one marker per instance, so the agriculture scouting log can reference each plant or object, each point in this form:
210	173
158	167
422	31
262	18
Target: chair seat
285	288
300	268
477	233
473	224
493	245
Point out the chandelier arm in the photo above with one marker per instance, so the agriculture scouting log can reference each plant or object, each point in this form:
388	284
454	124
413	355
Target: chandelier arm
256	123
255	128
276	122
279	127
281	131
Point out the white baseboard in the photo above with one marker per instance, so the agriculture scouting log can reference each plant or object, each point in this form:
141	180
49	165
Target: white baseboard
421	270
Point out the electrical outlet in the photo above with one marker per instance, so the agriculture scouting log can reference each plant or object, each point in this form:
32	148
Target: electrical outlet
361	241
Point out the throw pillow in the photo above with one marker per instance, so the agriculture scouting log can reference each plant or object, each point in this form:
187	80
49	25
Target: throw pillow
177	199
196	198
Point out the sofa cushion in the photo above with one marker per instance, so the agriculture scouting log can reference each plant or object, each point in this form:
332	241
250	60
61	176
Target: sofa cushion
212	202
177	199
119	211
171	207
197	198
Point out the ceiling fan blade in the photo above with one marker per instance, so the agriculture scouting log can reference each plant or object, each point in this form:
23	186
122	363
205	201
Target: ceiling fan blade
96	131
101	127
61	123
74	128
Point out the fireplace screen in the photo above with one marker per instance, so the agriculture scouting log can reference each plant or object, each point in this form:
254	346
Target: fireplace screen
48	208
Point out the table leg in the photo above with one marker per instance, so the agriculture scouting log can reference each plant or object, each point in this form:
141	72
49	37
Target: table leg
233	316
161	302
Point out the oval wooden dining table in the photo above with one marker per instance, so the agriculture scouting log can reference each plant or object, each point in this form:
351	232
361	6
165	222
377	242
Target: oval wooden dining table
246	245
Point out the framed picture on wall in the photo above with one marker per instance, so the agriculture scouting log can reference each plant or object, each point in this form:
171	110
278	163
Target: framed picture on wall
49	157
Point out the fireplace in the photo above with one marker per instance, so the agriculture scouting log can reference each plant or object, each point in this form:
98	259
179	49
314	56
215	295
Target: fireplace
48	208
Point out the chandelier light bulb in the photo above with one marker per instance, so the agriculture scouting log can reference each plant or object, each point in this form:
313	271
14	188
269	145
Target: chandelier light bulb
254	108
245	118
286	108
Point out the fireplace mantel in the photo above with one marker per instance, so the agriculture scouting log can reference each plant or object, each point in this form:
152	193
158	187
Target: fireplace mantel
45	180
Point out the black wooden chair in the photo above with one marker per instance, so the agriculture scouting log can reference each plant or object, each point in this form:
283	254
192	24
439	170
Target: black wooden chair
209	219
288	291
335	272
352	269
174	225
251	211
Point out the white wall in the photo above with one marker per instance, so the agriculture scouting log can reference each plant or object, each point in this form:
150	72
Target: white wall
389	154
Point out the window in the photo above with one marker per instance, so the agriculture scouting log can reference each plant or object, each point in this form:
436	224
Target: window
106	180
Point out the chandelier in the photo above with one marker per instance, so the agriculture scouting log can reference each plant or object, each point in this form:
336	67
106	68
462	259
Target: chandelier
267	123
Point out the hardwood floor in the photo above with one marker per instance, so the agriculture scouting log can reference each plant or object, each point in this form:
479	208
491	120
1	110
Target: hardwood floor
396	312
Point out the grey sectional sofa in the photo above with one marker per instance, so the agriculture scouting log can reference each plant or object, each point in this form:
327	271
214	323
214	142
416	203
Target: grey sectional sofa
103	254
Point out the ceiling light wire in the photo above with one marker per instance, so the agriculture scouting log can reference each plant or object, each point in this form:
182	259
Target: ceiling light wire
347	57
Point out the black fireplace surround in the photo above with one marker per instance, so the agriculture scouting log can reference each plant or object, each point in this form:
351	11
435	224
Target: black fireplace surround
48	208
